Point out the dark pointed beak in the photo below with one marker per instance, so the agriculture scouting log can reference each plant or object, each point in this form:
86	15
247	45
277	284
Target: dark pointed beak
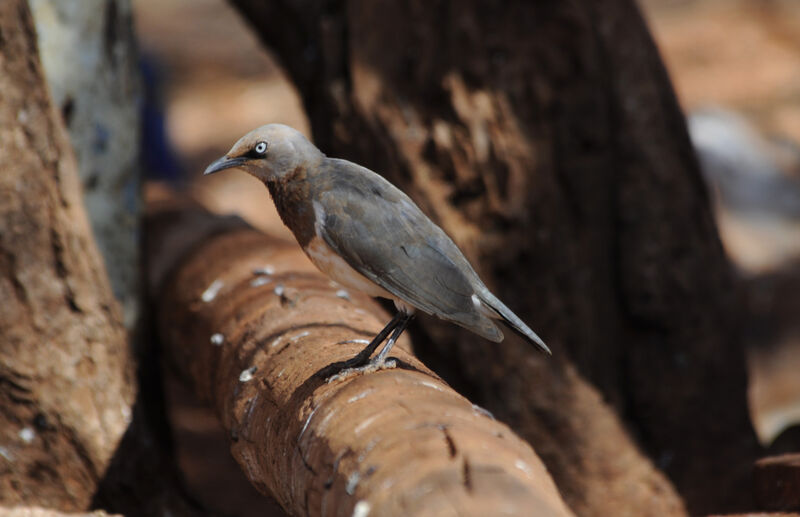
224	163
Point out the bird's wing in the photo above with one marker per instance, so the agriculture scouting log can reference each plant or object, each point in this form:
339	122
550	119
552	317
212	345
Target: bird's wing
384	236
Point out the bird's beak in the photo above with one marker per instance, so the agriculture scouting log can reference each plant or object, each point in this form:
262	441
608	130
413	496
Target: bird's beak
224	163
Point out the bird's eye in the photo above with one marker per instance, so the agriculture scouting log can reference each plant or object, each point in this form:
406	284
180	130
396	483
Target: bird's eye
260	148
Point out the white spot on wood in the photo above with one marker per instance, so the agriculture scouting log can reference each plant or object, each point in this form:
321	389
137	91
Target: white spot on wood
308	421
481	411
247	375
217	339
251	405
352	483
266	270
211	292
125	411
343	294
363	425
27	434
5	453
361	509
300	336
431	385
260	280
279	290
360	341
524	467
360	396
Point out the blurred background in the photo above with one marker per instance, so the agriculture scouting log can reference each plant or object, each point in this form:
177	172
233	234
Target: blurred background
735	65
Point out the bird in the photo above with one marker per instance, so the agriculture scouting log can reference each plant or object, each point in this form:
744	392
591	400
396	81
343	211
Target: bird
366	234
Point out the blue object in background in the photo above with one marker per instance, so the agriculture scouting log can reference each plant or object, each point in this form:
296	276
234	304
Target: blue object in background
159	159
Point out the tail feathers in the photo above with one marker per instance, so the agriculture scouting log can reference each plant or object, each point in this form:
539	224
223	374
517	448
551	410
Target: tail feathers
512	320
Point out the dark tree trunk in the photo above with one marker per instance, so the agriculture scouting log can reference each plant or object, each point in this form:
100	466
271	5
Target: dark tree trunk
546	139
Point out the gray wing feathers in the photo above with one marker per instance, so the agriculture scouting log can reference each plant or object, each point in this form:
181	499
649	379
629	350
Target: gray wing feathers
383	235
511	319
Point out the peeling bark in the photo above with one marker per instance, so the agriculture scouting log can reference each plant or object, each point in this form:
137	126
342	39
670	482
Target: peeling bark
250	323
66	383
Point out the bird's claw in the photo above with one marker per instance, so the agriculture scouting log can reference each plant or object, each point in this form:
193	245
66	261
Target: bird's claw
370	367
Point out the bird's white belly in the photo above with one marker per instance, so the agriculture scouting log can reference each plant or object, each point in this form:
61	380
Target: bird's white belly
330	263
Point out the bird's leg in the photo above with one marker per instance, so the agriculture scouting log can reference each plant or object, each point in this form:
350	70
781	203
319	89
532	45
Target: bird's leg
362	357
360	363
401	326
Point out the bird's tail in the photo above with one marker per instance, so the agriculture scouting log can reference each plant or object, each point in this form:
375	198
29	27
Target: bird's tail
512	320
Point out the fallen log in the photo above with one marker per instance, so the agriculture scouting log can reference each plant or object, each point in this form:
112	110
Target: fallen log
250	323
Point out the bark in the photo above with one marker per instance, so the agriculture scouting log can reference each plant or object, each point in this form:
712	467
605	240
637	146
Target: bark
394	442
546	139
91	64
66	383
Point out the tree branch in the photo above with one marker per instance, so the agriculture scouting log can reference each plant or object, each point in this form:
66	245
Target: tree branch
250	322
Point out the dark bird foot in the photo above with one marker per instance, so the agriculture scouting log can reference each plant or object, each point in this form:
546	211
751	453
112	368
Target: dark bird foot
370	367
361	363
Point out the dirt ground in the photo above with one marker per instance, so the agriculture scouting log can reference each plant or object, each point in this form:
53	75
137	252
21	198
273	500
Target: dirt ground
741	56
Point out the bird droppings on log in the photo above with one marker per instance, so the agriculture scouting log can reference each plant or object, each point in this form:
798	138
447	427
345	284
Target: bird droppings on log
27	434
343	294
211	292
352	482
247	375
482	411
361	509
217	339
431	385
264	271
259	281
6	455
359	341
299	336
360	395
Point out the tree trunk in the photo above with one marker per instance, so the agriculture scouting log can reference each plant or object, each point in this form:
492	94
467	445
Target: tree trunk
91	64
394	442
66	376
546	139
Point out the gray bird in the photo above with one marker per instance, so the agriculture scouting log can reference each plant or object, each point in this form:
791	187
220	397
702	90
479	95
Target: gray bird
365	234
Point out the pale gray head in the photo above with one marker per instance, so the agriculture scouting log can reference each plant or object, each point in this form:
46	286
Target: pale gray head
269	153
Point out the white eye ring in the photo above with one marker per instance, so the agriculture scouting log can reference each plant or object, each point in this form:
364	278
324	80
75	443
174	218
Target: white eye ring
260	148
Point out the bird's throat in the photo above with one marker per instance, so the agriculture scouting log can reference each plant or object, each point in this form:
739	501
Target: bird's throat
291	197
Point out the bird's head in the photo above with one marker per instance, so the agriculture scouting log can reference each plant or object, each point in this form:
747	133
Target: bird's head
269	153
